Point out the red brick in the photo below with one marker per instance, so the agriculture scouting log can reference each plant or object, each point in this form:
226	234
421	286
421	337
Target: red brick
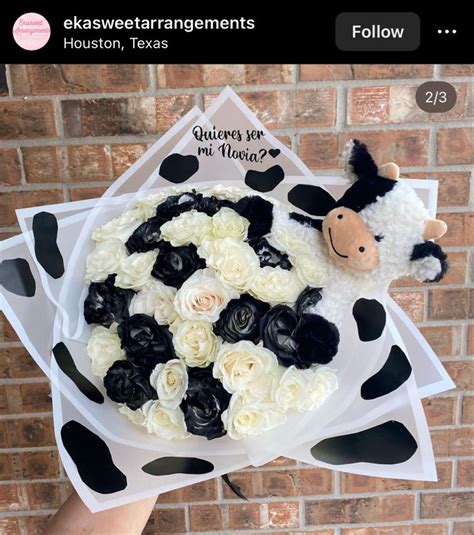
23	199
368	105
205	518
36	525
360	510
28	432
7	334
440	411
354	483
412	302
362	71
280	461
10	172
89	162
464	528
285	515
124	155
465	473
7	468
81	194
199	492
452	442
418	529
27	119
406	147
461	372
12	498
445	341
244	516
43	495
268	74
468	410
170	109
39	464
9	526
170	521
458	70
43	164
447	505
448	304
453	186
460	229
275	483
62	79
470	340
16	363
455	146
315	481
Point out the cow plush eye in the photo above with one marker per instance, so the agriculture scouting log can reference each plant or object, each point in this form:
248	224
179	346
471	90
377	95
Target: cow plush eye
378	238
361	249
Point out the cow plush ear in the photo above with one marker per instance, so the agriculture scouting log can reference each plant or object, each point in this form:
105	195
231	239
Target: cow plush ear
359	163
428	262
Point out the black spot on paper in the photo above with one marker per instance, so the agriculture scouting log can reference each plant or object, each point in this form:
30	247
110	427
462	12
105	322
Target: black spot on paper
16	277
92	458
387	443
274	152
311	199
178	168
165	466
370	317
264	181
68	366
394	373
45	232
233	487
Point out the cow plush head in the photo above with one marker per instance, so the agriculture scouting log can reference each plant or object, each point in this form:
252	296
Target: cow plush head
381	226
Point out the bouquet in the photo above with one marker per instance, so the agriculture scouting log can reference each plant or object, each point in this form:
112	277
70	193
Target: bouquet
220	306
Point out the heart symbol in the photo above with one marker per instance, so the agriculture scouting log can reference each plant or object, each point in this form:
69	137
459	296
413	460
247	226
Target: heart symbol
265	180
178	168
274	152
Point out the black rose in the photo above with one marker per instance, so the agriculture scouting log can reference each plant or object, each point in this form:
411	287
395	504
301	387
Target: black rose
240	320
307	299
276	331
268	255
105	303
146	237
316	338
204	402
259	212
175	205
126	383
145	342
174	265
210	205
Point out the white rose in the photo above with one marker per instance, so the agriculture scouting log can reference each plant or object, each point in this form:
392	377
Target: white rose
227	223
163	422
135	270
276	285
323	384
243	419
105	259
146	207
188	227
195	342
120	227
170	380
245	367
103	349
293	388
137	416
235	262
202	297
308	269
155	299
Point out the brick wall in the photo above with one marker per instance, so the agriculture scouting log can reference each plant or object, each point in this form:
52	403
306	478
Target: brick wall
66	131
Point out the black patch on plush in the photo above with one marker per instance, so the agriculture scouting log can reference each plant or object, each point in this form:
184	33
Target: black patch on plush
264	181
311	199
17	278
307	221
165	466
387	443
93	460
392	375
268	255
45	233
259	212
68	367
307	299
178	168
369	185
429	248
317	339
370	317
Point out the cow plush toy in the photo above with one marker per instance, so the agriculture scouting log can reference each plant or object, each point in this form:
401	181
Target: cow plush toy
378	231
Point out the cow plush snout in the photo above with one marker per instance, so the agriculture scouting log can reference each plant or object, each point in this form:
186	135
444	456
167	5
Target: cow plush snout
349	240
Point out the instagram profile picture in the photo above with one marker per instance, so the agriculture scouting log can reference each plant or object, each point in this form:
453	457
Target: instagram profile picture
31	31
